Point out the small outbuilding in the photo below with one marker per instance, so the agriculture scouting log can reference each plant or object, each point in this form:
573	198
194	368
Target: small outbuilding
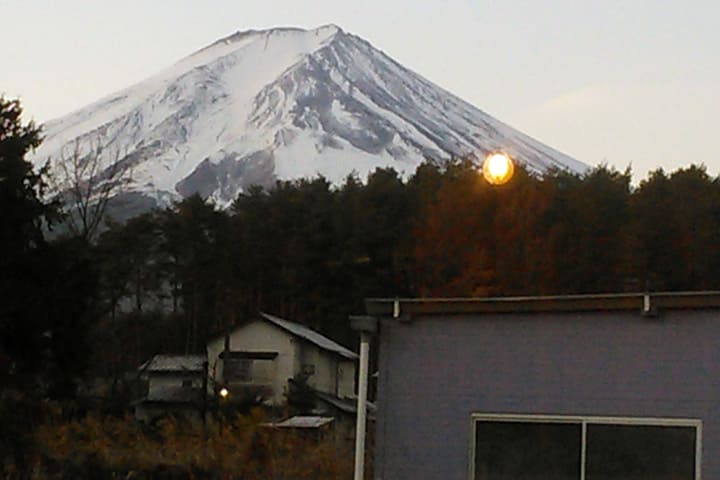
588	387
174	386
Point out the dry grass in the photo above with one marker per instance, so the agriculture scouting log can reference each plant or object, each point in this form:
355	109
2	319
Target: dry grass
242	449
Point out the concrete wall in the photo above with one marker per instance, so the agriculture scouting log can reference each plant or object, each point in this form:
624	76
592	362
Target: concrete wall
324	377
335	375
436	372
157	383
332	374
346	378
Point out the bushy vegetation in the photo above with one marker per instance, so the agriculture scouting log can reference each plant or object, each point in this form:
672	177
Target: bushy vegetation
241	448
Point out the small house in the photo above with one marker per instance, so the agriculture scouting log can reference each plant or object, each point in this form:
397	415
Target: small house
259	359
571	387
174	386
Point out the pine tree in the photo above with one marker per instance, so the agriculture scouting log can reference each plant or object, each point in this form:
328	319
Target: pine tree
22	244
44	292
47	289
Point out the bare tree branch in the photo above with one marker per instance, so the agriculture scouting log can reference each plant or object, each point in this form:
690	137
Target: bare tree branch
89	177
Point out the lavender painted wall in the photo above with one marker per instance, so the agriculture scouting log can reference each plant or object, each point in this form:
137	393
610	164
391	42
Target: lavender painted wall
435	372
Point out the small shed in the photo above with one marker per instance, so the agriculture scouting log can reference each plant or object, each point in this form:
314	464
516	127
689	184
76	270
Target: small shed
174	386
307	426
302	422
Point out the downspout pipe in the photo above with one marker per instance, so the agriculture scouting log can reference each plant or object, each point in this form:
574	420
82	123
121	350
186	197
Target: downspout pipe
367	326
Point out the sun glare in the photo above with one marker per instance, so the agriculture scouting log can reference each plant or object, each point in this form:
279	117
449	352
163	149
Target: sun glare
498	168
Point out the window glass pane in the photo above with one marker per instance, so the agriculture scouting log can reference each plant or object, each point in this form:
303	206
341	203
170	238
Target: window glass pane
640	452
527	451
238	370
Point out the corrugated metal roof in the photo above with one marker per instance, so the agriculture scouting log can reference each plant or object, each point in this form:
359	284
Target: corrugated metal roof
310	335
174	363
302	422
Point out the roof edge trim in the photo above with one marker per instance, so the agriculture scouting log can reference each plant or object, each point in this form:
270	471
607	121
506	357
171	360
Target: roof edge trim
402	307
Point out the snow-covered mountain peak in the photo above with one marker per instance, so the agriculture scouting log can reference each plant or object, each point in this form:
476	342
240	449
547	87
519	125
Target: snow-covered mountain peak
282	103
322	34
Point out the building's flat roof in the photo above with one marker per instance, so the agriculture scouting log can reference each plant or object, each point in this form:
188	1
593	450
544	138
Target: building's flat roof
302	422
641	302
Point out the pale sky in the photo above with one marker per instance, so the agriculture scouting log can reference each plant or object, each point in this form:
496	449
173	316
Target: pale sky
625	82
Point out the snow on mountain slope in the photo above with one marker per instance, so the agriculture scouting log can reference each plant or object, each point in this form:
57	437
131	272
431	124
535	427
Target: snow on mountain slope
281	104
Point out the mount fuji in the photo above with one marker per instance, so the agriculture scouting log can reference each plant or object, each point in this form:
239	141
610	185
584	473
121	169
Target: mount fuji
278	104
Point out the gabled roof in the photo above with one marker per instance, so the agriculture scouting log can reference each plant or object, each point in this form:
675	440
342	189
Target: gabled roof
174	363
310	335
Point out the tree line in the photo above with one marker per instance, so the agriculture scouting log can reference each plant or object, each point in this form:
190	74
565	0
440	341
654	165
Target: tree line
310	251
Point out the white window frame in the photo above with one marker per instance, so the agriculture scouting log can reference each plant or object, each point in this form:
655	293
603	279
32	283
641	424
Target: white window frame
584	421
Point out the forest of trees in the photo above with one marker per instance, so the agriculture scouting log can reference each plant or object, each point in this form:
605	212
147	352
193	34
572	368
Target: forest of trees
310	251
76	305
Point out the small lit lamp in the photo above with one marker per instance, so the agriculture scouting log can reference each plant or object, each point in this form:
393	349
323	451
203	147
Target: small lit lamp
498	168
224	392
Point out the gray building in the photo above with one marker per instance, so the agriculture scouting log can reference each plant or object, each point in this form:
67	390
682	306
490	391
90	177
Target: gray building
580	387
